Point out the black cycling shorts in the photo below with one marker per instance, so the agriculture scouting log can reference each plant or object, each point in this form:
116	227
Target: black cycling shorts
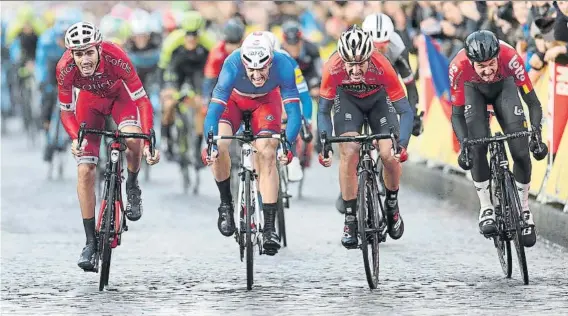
508	110
506	102
349	113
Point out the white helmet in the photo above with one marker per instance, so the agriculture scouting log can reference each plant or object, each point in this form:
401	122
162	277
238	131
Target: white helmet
140	26
82	35
355	45
379	26
273	40
256	51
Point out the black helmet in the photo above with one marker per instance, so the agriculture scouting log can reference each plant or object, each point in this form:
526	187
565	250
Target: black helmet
234	31
481	46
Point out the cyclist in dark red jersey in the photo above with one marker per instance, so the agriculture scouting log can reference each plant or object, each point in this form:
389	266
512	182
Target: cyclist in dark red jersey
109	85
233	33
489	71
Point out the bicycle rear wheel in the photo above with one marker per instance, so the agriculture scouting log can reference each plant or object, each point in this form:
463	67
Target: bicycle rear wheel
106	235
365	215
248	235
515	214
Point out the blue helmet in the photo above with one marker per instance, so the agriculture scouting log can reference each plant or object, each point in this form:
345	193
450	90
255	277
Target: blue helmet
65	18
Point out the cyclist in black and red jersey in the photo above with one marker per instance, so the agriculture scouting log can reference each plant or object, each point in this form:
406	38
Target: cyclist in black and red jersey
489	71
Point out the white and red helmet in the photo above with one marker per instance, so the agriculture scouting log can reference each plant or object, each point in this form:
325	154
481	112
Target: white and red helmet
82	35
257	51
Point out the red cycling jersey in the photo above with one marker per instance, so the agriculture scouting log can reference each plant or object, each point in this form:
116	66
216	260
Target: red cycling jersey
115	74
215	60
380	75
510	64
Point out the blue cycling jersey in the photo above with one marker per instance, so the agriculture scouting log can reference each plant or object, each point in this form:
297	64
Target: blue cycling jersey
48	53
302	86
233	76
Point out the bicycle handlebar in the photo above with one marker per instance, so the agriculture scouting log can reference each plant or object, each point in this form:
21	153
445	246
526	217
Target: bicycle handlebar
247	138
116	135
496	138
327	141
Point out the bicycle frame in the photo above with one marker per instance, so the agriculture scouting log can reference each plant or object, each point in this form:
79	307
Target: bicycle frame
247	166
113	174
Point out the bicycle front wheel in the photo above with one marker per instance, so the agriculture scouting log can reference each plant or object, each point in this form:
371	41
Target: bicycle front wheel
105	249
515	215
280	213
248	235
365	227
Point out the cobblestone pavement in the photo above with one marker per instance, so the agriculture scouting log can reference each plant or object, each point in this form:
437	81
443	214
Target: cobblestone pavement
174	261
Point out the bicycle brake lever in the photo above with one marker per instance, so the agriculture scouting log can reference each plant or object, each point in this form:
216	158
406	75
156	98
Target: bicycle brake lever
209	143
81	135
152	142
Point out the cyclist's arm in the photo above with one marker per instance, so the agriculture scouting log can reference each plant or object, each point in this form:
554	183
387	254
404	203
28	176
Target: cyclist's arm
41	59
221	94
290	98
458	101
399	101
67	106
327	94
402	66
516	69
170	44
212	68
12	31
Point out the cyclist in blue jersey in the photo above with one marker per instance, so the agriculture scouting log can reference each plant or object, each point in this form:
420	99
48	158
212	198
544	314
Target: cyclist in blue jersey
257	79
49	50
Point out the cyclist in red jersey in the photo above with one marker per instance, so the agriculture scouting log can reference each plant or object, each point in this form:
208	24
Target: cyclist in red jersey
489	71
109	85
233	33
360	82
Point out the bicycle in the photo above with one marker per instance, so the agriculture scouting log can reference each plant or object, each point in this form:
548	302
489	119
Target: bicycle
249	232
504	193
111	213
371	215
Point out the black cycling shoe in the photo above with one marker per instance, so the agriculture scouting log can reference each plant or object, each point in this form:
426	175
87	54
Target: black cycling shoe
395	222
417	127
134	205
339	205
48	153
271	243
349	239
87	257
226	221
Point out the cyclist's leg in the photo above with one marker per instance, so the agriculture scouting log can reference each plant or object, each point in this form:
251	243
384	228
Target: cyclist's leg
48	101
509	111
382	116
348	122
168	118
88	111
475	113
198	120
125	114
267	119
228	125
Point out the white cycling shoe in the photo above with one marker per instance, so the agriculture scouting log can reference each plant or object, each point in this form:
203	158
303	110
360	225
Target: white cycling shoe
295	172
